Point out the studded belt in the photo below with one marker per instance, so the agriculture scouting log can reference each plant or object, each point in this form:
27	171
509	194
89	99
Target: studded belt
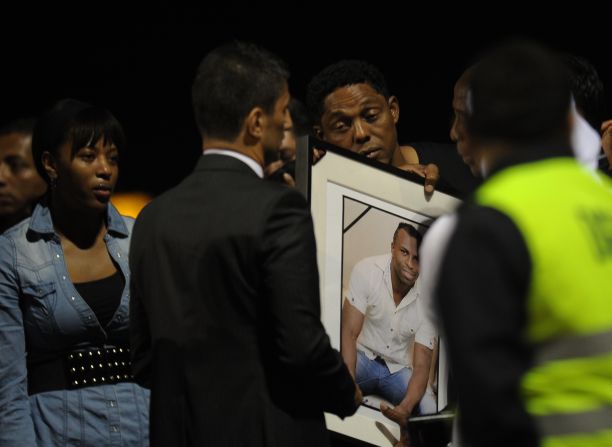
81	368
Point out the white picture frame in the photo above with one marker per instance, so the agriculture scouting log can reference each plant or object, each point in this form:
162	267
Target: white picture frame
345	189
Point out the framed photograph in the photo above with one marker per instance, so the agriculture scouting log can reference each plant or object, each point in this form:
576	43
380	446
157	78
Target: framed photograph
357	205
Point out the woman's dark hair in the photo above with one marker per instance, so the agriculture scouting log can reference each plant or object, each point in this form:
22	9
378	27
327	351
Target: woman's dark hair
76	122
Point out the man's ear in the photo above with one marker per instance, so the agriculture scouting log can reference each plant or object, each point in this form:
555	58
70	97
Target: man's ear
49	164
318	132
255	123
394	108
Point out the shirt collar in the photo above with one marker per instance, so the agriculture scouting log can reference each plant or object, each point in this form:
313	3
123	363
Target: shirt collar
41	221
256	167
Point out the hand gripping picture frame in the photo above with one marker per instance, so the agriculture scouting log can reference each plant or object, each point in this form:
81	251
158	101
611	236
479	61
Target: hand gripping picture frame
357	204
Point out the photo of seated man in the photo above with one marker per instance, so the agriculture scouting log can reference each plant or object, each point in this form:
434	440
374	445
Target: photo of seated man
387	336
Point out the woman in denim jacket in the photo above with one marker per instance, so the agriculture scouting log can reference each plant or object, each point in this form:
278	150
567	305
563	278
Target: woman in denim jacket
64	289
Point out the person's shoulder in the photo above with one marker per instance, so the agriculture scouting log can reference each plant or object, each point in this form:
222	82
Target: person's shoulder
373	263
17	231
281	194
128	221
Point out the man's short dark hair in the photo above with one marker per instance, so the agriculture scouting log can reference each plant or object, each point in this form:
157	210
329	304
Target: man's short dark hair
23	126
411	232
587	88
302	124
338	75
519	95
78	122
231	80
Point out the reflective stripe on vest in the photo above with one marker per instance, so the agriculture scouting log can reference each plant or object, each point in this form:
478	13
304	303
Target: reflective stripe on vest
561	424
574	347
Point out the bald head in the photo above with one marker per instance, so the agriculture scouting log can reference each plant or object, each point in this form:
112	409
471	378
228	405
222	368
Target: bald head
458	132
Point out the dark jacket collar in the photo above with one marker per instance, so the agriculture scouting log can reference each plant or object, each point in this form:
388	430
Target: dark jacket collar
529	154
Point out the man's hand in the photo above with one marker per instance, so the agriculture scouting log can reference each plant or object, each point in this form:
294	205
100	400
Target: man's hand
317	154
358	396
399	416
606	140
429	172
404	440
274	171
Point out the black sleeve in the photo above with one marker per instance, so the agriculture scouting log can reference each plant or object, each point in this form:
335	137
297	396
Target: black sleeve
140	335
481	294
300	344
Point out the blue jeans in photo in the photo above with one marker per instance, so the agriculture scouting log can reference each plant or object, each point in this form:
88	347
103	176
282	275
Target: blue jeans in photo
374	377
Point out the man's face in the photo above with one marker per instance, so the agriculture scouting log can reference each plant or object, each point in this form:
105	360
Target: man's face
288	146
458	133
405	258
20	183
361	120
277	122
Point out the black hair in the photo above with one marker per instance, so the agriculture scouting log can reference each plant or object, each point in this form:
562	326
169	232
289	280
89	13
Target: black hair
408	228
519	95
587	88
302	124
24	126
338	75
76	122
231	80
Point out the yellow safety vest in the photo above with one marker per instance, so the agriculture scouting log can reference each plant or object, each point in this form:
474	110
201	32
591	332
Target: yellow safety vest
564	213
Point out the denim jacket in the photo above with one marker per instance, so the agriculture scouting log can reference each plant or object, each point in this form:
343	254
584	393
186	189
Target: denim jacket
41	309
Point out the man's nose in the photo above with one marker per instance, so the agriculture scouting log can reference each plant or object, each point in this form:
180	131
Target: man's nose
288	125
412	262
454	136
4	169
362	134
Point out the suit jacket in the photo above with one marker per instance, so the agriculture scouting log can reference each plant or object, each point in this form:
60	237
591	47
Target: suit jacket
225	314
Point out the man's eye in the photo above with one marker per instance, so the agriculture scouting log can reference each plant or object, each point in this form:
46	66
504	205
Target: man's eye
17	166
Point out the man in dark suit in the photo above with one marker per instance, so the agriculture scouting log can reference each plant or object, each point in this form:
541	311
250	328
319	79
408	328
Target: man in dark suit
225	292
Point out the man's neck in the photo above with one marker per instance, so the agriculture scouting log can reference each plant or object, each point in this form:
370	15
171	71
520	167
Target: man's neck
403	155
399	290
254	151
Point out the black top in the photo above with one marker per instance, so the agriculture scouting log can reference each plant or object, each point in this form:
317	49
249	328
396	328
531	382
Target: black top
103	295
455	175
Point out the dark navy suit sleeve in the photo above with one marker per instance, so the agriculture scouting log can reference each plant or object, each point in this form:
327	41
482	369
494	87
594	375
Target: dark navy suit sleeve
291	283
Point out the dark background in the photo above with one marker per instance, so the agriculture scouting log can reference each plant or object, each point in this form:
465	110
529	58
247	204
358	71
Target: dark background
139	60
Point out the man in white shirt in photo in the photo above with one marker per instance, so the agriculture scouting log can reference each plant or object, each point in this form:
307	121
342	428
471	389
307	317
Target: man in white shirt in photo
382	318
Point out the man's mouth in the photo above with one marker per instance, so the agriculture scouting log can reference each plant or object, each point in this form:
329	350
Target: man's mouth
372	152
